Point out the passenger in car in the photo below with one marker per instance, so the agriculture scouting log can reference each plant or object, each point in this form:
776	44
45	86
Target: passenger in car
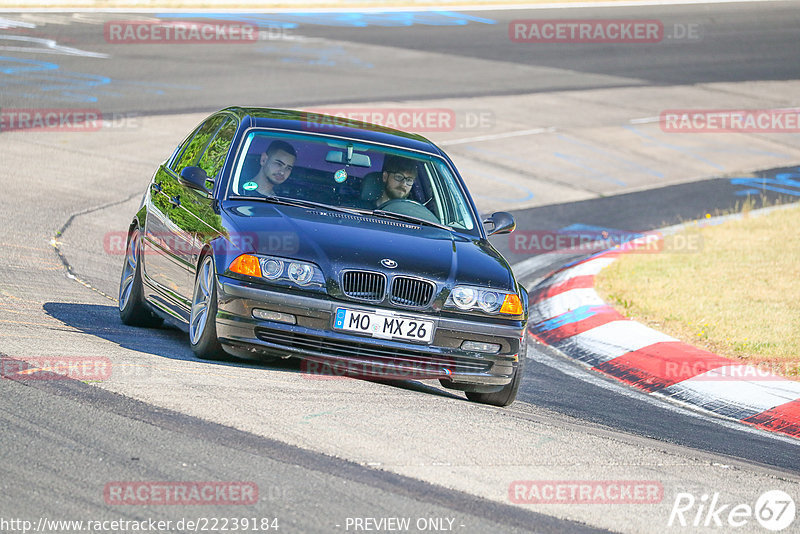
277	163
399	175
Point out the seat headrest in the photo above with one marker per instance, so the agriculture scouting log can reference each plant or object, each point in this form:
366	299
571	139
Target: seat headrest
371	186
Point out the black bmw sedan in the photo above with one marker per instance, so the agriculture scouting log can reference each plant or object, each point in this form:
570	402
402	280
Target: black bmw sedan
357	248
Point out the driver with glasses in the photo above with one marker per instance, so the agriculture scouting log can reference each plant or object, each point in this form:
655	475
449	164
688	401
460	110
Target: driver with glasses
398	177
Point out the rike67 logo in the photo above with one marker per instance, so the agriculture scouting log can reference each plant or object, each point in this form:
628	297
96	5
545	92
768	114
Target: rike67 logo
774	510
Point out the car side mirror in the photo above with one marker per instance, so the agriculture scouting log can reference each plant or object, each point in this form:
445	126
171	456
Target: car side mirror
194	177
502	223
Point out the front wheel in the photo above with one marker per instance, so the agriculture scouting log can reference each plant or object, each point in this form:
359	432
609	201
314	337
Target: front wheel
202	319
132	309
505	396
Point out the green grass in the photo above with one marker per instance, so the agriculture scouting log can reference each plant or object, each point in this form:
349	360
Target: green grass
737	295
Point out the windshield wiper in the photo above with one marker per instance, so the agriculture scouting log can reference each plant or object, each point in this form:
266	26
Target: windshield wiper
299	203
409	218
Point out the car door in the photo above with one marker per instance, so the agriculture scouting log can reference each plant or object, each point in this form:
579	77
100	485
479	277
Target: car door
204	221
170	227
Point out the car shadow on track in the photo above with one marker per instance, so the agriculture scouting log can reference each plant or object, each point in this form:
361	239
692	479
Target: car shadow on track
169	342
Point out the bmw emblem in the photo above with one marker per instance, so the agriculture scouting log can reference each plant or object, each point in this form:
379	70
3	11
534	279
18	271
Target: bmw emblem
389	264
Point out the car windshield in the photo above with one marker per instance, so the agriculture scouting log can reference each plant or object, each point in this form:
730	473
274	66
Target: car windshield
352	175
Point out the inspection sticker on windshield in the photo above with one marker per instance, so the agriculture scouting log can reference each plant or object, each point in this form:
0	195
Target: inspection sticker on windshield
249	186
384	326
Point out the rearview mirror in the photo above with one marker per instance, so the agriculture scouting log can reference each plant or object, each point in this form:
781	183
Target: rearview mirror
356	159
194	177
502	223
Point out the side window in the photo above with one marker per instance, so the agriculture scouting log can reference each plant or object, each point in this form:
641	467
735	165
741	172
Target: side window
455	206
214	156
195	146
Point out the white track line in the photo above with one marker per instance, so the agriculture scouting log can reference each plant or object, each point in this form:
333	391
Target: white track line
492	137
582	372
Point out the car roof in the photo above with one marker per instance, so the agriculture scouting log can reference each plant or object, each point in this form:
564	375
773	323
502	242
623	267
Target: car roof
310	122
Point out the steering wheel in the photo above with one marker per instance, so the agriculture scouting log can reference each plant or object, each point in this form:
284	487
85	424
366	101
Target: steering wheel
405	206
398	202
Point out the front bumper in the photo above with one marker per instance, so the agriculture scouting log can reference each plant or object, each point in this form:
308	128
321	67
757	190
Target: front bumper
313	339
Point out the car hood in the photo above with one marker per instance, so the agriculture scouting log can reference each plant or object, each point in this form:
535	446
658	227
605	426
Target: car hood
336	241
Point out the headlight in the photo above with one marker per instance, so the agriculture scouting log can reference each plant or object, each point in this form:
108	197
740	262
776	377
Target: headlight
464	297
279	270
490	301
472	298
300	273
271	268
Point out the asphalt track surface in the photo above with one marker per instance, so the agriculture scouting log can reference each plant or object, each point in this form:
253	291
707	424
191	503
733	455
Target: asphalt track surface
61	438
735	42
96	429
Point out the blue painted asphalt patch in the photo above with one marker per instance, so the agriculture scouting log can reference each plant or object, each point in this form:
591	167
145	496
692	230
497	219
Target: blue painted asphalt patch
573	316
787	183
343	19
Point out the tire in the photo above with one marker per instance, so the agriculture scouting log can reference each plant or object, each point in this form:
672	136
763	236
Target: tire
202	319
132	309
505	396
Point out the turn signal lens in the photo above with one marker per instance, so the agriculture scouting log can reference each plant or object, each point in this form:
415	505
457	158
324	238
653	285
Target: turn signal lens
247	265
512	305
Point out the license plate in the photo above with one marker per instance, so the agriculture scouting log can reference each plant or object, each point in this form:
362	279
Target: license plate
384	325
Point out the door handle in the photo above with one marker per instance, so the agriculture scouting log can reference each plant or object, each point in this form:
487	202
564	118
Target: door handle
175	201
156	186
